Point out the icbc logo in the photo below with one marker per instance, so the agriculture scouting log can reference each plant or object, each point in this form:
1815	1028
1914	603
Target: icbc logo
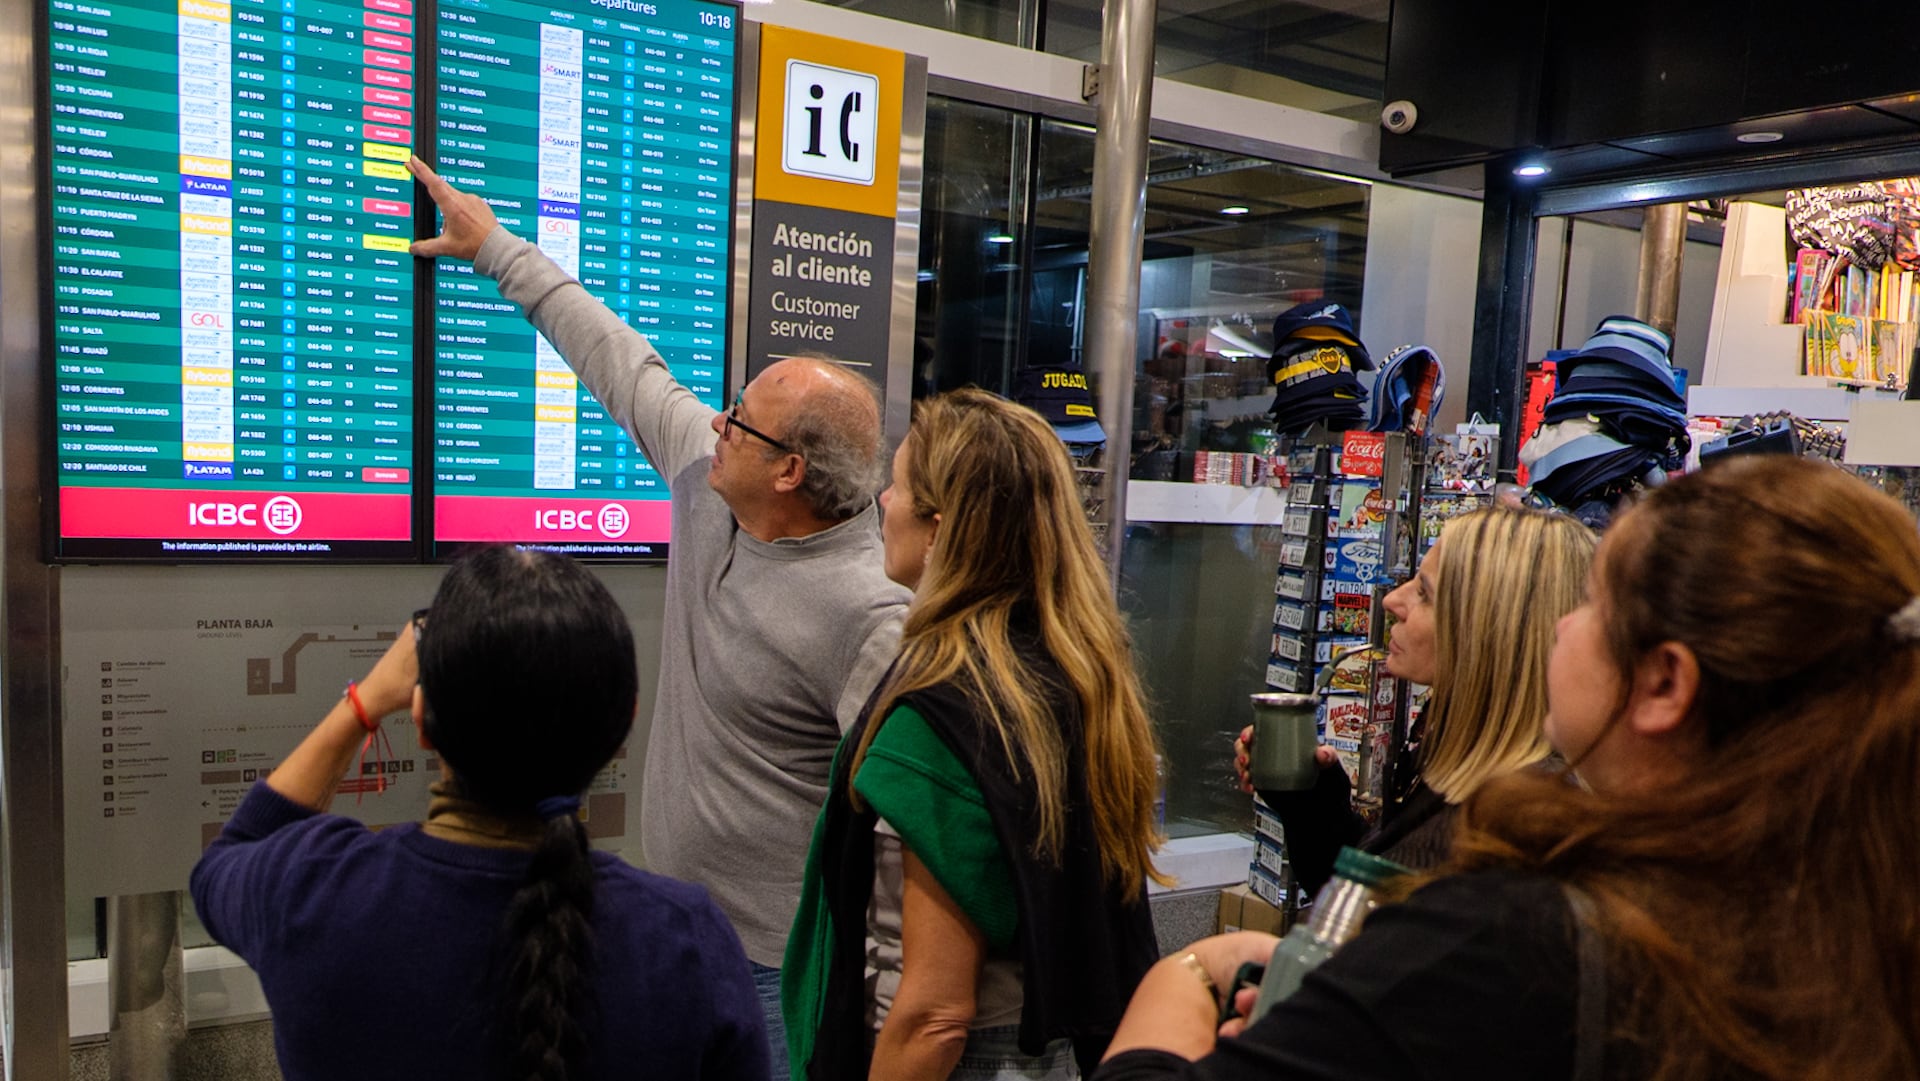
281	515
613	520
610	521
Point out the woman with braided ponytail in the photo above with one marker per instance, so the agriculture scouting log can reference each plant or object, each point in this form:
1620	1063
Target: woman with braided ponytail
488	942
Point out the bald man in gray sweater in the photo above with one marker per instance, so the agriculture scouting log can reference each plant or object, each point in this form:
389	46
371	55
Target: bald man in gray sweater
779	619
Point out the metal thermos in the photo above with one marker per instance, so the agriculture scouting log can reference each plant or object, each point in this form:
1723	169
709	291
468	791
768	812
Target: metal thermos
1285	734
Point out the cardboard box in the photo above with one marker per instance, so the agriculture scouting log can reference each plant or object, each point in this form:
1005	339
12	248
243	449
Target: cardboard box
1240	910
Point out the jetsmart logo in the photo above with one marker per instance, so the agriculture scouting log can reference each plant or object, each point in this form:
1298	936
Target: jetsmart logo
610	521
280	515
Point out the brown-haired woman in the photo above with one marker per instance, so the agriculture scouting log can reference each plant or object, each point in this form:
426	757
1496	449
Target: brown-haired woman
975	905
1740	698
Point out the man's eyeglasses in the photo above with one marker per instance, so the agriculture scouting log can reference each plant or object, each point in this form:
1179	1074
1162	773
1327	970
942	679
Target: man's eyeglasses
733	421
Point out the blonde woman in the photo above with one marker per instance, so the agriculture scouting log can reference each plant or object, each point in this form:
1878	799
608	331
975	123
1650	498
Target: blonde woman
975	902
1475	625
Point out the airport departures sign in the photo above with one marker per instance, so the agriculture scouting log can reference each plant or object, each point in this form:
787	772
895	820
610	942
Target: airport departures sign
826	187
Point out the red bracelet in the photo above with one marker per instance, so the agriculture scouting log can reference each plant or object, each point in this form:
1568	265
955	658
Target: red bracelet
360	711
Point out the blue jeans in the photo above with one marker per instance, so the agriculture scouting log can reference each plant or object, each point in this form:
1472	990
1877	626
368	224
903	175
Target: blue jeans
993	1054
767	982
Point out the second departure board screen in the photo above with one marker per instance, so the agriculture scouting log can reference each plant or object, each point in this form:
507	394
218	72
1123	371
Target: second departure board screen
603	131
233	298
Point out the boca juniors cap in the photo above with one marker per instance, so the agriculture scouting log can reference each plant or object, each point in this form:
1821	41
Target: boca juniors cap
1322	320
1060	394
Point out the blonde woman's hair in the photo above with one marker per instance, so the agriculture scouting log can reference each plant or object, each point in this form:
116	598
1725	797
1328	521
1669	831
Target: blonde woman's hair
1013	545
1505	577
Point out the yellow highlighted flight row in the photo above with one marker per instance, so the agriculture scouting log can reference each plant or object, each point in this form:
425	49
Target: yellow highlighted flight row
384	155
210	226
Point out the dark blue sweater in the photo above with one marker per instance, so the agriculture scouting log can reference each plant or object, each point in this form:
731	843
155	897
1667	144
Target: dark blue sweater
377	951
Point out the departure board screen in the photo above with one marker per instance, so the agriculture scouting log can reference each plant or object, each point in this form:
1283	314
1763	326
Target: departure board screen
233	298
603	131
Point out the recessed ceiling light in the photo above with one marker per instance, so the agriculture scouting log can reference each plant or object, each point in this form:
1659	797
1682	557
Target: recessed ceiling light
1000	238
1760	137
1233	210
1531	170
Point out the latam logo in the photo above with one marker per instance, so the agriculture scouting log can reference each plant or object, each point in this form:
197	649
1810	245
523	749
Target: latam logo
610	521
280	515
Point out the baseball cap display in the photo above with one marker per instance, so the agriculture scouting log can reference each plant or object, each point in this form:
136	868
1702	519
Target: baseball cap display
1060	394
1322	321
1617	420
1408	391
1315	354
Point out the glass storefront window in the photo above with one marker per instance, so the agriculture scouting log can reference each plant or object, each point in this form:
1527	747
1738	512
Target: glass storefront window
1326	56
1231	241
967	314
1199	603
1011	22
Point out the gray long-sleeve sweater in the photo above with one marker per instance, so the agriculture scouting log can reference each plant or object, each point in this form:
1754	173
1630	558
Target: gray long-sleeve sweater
768	650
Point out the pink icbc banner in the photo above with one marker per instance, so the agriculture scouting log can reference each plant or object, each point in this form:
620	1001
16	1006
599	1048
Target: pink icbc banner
176	514
551	521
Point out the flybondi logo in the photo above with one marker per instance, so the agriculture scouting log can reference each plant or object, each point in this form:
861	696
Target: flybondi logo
281	514
610	521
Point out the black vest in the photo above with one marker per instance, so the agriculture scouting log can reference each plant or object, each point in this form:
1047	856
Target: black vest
1083	947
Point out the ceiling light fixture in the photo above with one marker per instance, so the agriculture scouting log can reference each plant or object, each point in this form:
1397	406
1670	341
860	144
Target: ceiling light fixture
1760	137
1233	210
1000	238
1531	170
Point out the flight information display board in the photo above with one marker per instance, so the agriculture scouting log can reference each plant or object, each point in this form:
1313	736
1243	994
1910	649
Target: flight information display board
233	298
602	130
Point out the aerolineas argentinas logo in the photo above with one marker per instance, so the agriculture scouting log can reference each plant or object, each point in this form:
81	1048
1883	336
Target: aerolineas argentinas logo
610	521
281	514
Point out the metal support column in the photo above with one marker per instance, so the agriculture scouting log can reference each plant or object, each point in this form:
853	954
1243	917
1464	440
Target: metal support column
146	985
1502	310
1114	241
33	927
1663	244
